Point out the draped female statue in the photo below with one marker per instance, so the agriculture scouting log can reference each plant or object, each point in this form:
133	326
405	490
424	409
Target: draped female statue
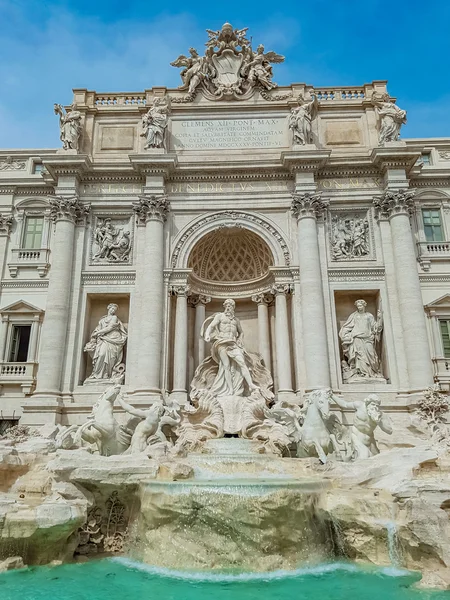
359	335
106	346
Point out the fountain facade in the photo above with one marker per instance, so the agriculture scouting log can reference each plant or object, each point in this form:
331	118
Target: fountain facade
225	327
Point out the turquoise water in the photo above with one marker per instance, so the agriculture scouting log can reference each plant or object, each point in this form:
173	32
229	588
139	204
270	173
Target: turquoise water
121	579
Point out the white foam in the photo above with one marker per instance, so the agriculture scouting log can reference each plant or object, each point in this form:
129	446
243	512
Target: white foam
226	577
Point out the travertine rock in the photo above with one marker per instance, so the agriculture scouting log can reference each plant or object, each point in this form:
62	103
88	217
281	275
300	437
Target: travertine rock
14	562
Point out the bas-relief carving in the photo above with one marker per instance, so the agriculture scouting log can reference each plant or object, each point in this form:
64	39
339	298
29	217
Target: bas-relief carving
111	241
300	120
359	336
12	164
69	125
349	236
229	69
391	118
154	123
106	347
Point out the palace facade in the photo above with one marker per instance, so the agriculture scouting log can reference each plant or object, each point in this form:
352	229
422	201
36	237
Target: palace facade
294	201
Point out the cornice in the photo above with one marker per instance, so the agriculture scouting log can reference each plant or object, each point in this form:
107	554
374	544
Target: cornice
67	164
350	274
235	175
153	164
114	277
30	283
305	160
395	157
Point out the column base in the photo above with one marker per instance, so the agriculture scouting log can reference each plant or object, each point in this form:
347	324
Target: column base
180	396
42	412
286	396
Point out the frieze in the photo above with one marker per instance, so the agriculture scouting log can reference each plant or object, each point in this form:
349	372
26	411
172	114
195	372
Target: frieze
351	235
7	283
356	274
349	183
112	239
112	188
207	187
117	278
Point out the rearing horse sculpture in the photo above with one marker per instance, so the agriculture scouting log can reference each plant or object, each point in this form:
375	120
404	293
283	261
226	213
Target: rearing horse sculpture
316	439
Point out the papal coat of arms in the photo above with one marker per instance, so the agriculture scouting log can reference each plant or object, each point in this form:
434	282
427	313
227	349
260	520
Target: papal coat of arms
229	68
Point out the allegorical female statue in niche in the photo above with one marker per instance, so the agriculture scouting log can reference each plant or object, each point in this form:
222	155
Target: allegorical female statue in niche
359	335
106	347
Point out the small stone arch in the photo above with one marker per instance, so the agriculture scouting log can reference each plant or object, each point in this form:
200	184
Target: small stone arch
259	225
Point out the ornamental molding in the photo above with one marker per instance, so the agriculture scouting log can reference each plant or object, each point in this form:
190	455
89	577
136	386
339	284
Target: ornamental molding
6	222
8	163
434	278
444	182
37	191
7	283
7	189
111	177
230	218
308	205
234	175
356	274
395	202
151	208
105	278
68	209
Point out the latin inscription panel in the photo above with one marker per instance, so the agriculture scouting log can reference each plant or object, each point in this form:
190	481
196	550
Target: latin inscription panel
229	134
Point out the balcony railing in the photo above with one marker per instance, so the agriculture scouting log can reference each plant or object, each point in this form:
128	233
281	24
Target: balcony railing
29	257
431	251
21	373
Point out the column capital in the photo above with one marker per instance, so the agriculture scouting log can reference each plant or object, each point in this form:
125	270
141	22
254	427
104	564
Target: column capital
68	209
281	288
395	202
151	208
180	290
263	298
308	205
196	299
6	222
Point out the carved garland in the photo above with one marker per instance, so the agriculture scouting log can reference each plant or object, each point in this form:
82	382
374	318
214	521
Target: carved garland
233	216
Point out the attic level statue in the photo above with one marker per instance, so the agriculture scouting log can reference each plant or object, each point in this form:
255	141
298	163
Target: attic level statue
229	68
391	118
154	123
69	125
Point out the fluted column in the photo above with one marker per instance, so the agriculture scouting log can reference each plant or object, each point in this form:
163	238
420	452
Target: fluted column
199	302
280	291
307	208
151	214
398	206
181	337
263	301
65	213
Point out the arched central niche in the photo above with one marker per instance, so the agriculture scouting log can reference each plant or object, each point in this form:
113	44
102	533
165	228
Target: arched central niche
230	255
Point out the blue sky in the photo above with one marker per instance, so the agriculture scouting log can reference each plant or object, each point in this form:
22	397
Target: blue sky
50	47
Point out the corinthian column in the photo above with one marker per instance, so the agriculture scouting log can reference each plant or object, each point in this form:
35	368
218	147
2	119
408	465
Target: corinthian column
199	302
180	343
151	213
280	291
307	208
65	213
263	301
398	206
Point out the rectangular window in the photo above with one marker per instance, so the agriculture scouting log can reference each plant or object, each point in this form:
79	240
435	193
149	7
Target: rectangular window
32	237
432	225
445	333
20	341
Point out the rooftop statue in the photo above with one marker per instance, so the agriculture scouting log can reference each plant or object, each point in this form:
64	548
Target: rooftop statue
300	120
391	118
229	68
154	123
69	125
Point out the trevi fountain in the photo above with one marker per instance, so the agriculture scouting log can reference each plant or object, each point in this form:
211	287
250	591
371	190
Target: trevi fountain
224	338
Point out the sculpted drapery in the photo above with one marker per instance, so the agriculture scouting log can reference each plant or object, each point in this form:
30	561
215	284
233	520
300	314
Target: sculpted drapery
230	370
106	346
358	336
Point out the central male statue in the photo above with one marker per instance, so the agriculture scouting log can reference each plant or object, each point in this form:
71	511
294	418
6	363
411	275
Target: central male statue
230	370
